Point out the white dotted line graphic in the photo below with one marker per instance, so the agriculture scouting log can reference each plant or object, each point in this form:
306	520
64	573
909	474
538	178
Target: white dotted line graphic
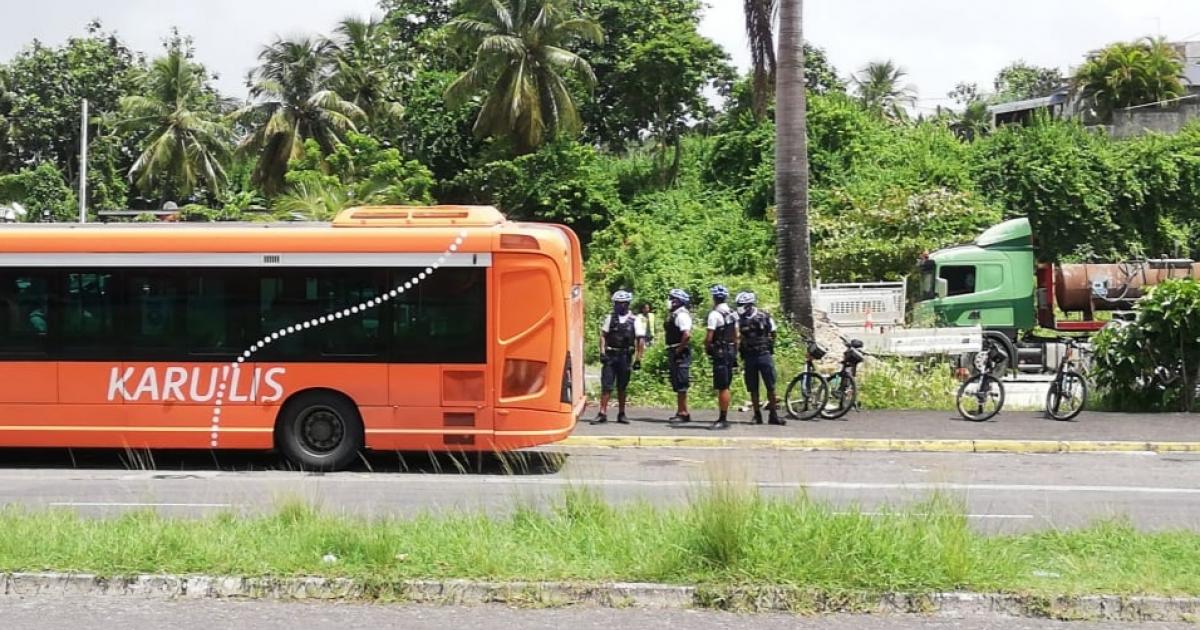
228	371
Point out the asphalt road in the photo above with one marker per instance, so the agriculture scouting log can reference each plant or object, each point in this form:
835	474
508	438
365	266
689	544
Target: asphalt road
917	425
1003	492
99	612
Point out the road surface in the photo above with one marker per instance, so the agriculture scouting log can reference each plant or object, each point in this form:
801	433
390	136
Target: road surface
1003	492
125	612
918	425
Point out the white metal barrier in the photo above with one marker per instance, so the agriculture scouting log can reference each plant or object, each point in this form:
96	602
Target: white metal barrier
862	304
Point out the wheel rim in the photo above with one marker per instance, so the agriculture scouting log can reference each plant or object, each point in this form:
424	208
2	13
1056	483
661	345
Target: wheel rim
799	398
1067	400
321	430
980	398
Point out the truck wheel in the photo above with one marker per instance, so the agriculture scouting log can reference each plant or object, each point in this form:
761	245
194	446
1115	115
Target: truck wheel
998	343
320	431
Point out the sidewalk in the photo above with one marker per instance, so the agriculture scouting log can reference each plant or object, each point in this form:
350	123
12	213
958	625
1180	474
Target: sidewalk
1015	431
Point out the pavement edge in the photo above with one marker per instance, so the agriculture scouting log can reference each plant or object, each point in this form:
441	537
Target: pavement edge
883	444
612	595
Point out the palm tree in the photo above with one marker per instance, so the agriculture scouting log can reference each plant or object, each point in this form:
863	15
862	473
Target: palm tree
293	101
521	56
881	89
1130	73
791	169
185	144
360	74
760	21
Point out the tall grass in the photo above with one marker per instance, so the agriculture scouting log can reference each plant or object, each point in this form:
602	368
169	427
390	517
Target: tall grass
726	534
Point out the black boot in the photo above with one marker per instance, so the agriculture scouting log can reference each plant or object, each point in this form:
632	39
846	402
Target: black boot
680	419
757	416
601	418
621	419
774	418
721	424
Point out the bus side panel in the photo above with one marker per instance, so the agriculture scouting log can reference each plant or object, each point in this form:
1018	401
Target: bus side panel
531	348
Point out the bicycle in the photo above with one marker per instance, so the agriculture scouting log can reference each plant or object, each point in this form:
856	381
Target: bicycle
808	392
843	388
981	396
1069	386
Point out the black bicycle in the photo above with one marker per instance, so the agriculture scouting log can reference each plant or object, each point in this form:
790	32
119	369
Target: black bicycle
981	396
843	387
808	392
1068	392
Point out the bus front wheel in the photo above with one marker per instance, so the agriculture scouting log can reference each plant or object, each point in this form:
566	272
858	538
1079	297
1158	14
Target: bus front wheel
320	431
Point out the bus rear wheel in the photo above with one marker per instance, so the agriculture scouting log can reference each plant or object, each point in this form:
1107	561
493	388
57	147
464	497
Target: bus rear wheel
320	431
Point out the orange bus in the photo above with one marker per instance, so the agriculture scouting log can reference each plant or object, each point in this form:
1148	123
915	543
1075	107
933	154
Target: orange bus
393	328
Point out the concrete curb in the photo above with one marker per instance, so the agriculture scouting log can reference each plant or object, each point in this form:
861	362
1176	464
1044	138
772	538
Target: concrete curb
884	444
614	595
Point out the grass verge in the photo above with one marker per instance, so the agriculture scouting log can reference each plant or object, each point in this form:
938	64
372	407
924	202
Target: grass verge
725	535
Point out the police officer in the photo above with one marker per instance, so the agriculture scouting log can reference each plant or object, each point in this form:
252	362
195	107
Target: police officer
721	344
678	328
757	331
622	341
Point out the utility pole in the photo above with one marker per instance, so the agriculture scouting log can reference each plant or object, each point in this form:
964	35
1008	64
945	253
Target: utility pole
83	163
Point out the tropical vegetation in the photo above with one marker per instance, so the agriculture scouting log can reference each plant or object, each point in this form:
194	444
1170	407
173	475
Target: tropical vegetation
619	118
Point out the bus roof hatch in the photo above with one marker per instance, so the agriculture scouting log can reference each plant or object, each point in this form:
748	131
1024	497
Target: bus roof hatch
419	216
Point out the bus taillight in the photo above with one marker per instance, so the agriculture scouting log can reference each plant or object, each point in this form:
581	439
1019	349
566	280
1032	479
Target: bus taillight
567	387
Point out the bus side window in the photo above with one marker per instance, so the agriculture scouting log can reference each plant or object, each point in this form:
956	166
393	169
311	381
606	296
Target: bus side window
24	310
153	314
444	320
88	322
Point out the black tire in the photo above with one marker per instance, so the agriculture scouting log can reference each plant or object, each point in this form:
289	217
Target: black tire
995	346
1074	396
843	394
980	397
320	431
806	396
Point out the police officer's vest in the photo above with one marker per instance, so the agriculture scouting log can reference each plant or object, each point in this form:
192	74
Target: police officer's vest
724	336
620	335
756	334
674	333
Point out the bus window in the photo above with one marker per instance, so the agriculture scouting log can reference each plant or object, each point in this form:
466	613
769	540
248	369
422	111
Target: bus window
153	315
88	322
361	334
444	320
213	310
959	278
24	301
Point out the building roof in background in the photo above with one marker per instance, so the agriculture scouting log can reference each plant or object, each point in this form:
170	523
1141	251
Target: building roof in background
1191	60
1033	103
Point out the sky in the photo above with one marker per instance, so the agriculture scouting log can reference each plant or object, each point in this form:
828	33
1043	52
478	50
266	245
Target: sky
939	42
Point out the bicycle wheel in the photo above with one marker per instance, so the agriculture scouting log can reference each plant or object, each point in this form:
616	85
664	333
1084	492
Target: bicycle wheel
843	393
980	397
1065	401
805	396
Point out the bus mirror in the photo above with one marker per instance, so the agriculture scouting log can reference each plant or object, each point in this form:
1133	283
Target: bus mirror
943	287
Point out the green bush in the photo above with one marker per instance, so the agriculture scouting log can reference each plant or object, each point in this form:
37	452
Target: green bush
39	189
882	238
563	182
1165	334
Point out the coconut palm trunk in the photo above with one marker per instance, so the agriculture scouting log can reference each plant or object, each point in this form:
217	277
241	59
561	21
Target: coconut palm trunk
791	169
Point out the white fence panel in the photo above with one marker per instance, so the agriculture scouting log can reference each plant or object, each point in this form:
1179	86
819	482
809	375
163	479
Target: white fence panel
853	305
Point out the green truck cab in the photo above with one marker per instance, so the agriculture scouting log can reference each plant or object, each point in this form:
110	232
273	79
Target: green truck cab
989	283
